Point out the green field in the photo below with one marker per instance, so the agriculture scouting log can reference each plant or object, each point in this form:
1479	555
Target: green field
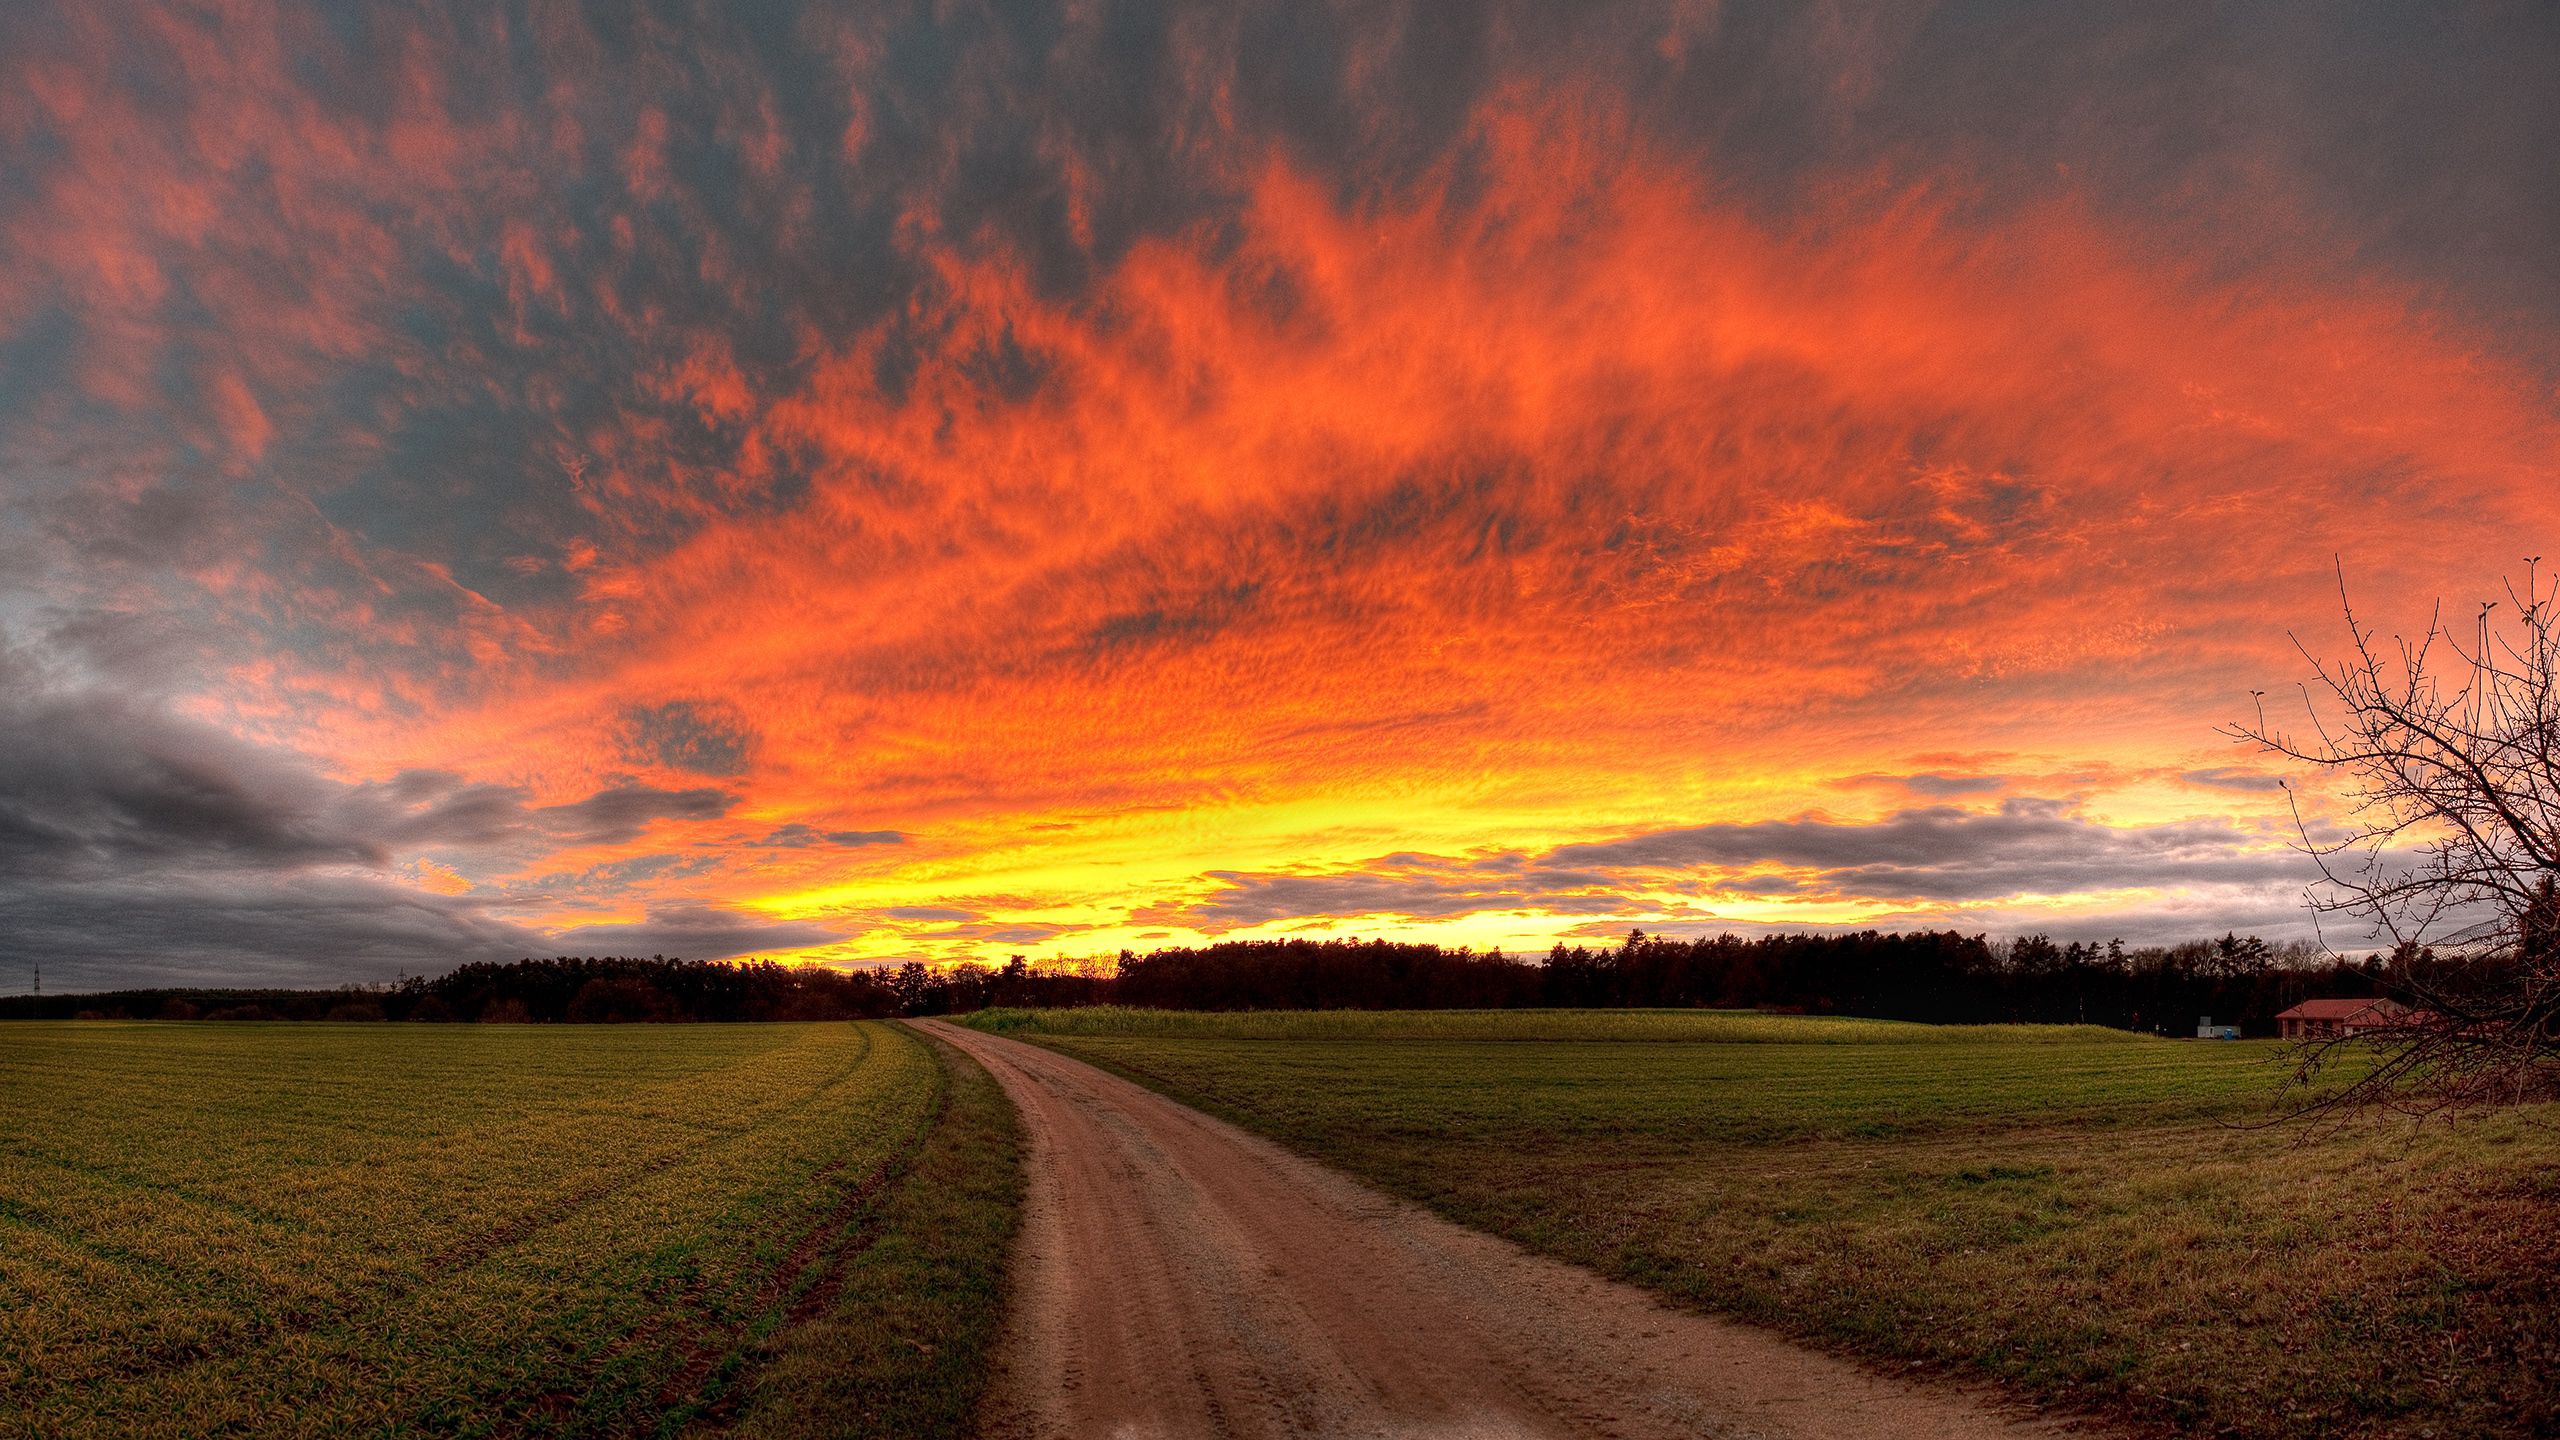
2087	1216
1739	1027
494	1230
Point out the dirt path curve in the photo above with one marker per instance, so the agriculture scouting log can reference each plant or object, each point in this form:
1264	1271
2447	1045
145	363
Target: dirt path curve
1180	1279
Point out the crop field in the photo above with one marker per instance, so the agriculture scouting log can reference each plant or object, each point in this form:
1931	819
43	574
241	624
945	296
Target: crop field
2096	1219
493	1230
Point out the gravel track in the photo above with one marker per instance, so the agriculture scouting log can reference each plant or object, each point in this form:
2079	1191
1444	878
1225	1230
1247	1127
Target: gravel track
1179	1279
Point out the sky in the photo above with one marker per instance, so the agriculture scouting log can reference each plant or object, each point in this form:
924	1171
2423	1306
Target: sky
868	482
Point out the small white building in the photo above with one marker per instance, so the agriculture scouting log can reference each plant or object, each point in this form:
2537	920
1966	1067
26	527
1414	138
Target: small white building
2207	1030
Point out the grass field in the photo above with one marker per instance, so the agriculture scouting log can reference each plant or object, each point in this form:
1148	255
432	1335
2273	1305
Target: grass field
1732	1027
493	1230
2078	1213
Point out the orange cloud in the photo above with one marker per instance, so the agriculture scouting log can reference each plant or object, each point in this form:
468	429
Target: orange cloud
1559	500
1337	517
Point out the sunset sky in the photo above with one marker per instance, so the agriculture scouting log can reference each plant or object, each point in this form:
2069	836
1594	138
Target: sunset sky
864	482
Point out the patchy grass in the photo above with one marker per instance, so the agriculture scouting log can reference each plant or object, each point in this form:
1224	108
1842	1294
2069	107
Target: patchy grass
477	1230
899	1346
2081	1216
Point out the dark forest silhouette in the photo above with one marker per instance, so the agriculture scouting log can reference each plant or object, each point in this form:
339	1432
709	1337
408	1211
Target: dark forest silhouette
1941	976
1938	976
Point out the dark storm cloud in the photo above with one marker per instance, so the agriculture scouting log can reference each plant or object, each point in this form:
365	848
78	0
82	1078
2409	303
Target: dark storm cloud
246	929
137	842
93	781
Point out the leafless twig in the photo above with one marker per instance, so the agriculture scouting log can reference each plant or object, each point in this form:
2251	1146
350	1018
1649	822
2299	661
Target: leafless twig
2447	749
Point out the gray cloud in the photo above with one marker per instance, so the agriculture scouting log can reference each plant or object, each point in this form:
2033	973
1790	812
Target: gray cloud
694	932
955	929
797	836
2233	777
437	809
1935	859
2027	846
610	817
246	929
96	782
705	737
1435	891
2272	916
1022	933
137	844
1933	784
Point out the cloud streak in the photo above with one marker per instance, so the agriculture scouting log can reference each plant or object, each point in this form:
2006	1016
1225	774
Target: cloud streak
1937	865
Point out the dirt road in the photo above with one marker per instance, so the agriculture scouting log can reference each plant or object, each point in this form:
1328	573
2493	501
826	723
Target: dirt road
1180	1279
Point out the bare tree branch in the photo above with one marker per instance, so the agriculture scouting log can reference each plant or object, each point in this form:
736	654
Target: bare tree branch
2447	753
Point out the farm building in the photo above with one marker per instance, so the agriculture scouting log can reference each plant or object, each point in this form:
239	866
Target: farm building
2327	1019
2207	1030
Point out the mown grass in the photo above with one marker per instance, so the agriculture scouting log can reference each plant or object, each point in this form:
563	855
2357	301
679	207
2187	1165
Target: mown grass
470	1230
2086	1216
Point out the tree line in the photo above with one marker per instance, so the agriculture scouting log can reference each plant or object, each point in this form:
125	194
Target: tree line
1938	976
563	989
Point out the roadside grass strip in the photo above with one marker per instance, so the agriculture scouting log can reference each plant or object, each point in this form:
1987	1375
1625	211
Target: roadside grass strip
2102	1221
465	1230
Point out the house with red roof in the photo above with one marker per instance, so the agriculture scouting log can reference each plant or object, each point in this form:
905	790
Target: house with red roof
2330	1019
